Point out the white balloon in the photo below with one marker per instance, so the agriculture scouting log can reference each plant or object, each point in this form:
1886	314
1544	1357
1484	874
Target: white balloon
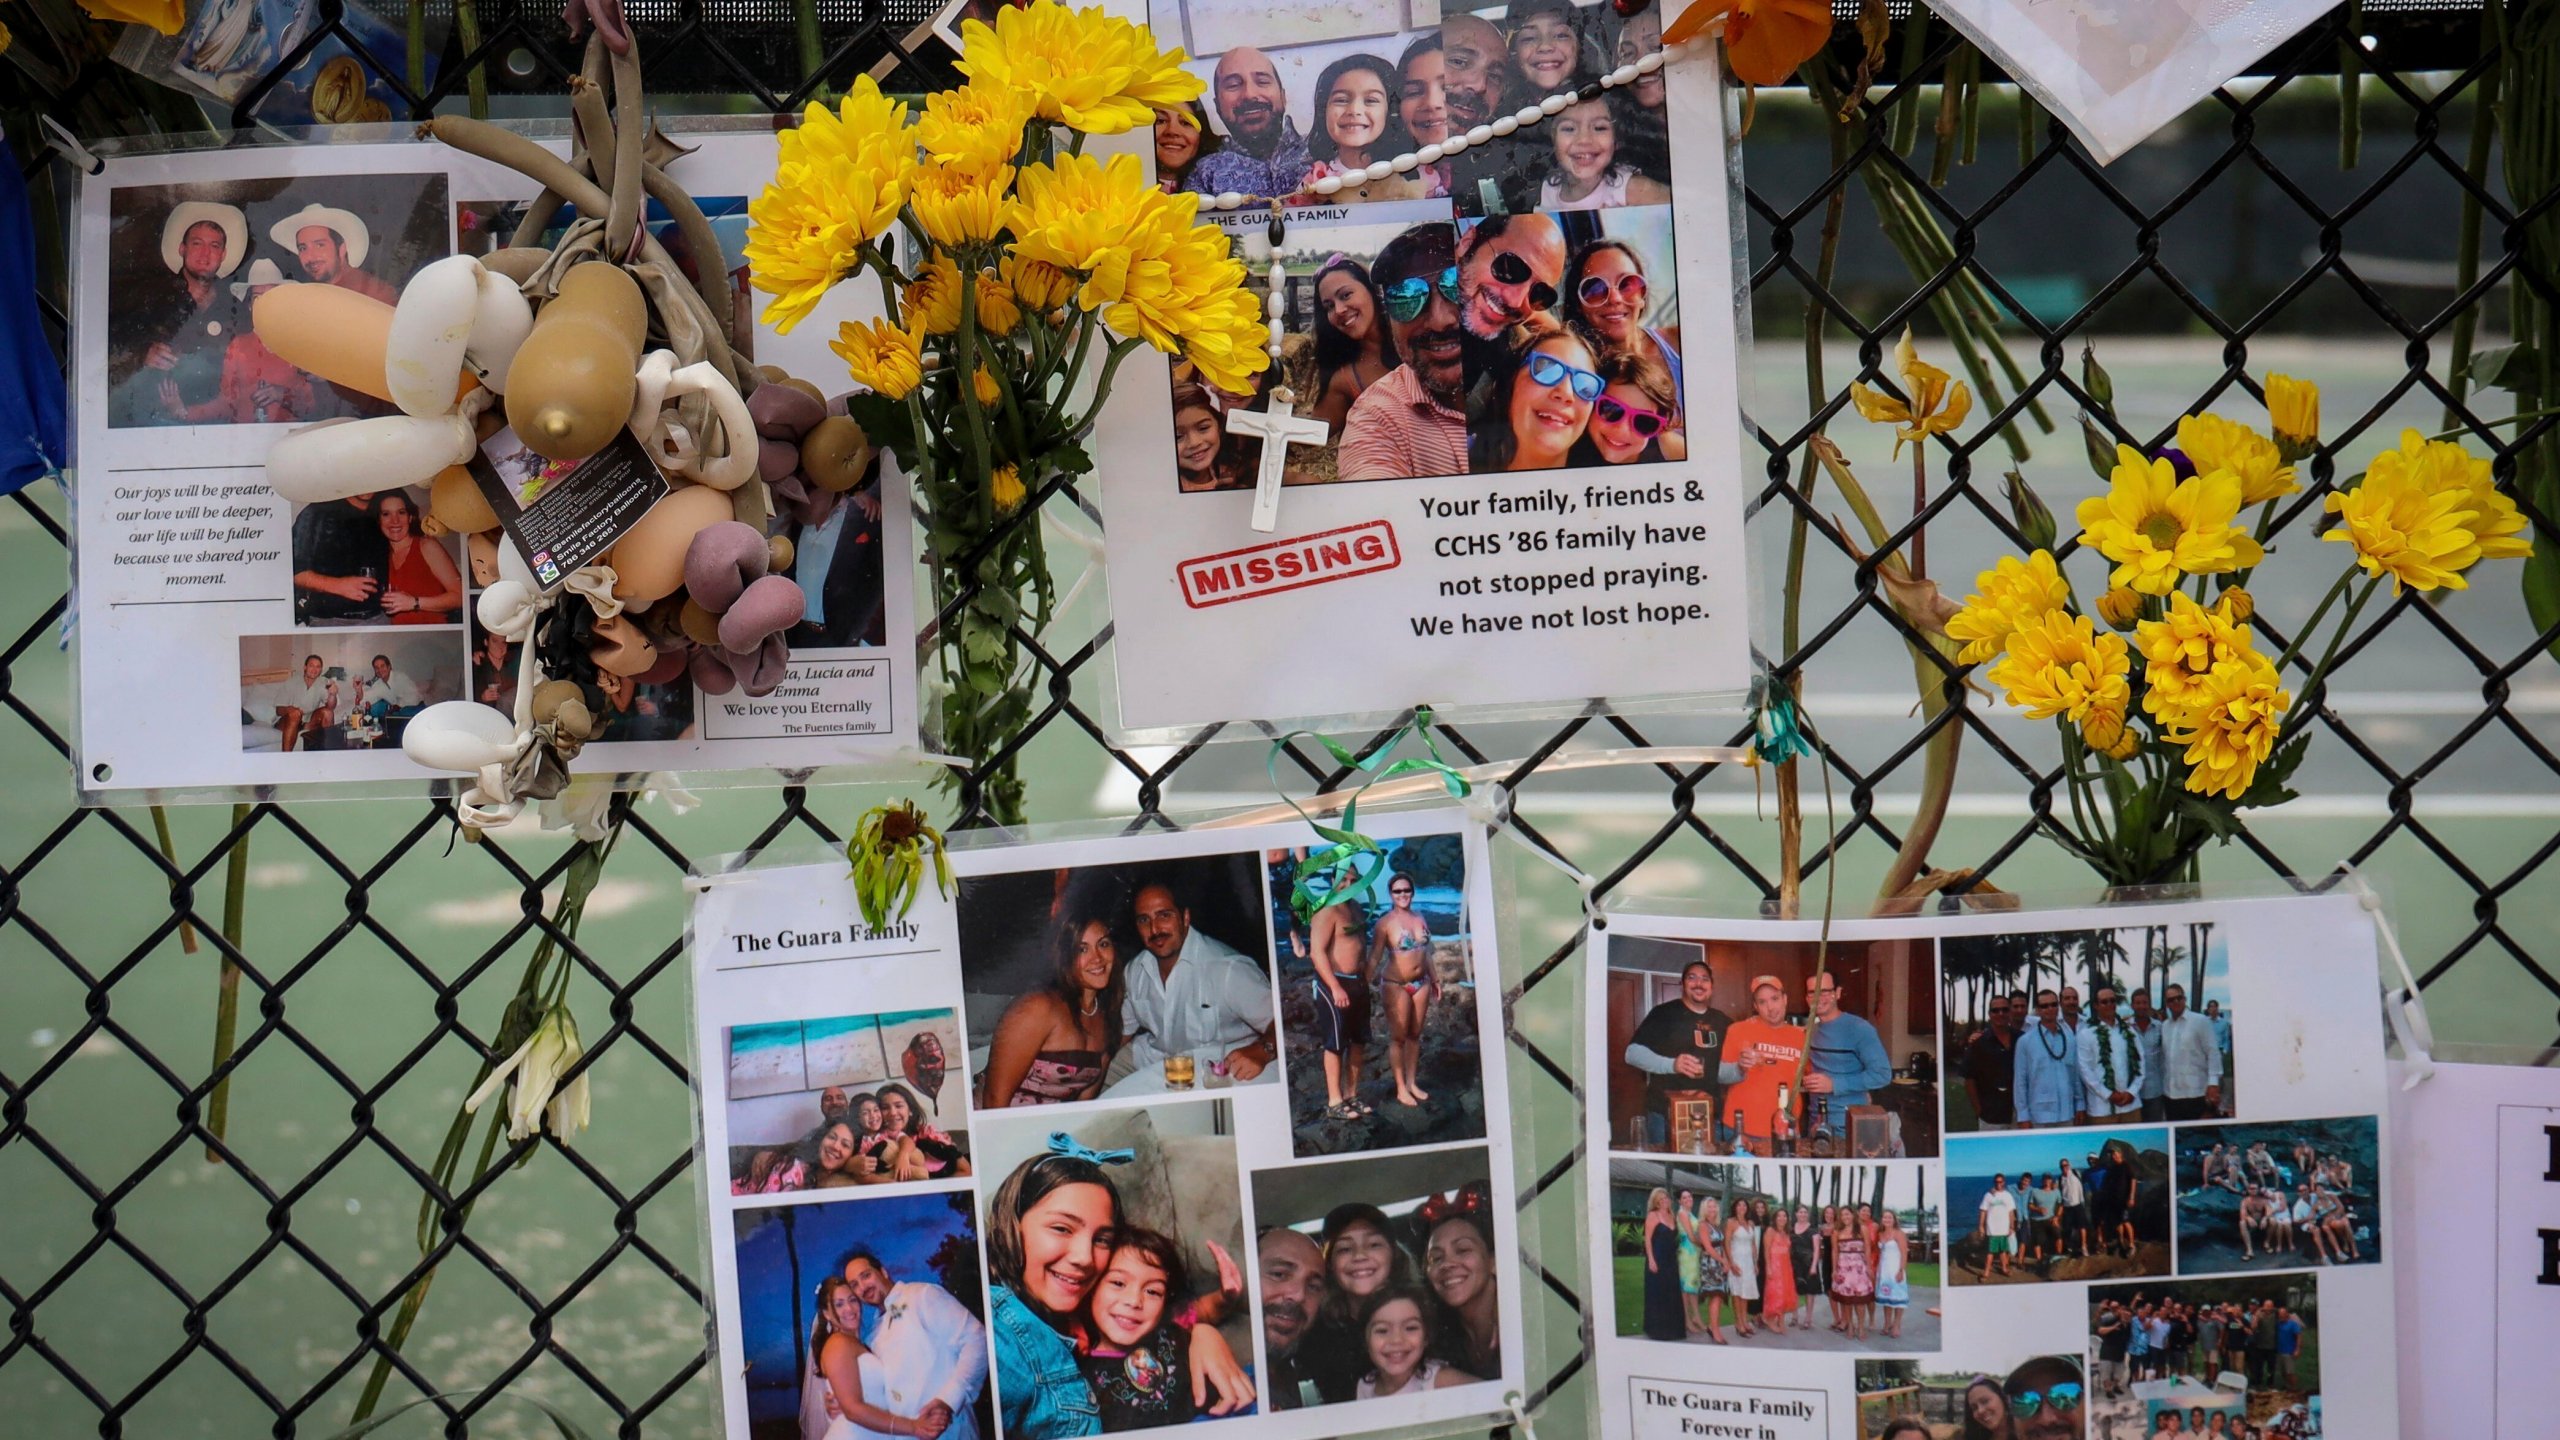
504	318
430	329
338	458
459	735
508	607
731	470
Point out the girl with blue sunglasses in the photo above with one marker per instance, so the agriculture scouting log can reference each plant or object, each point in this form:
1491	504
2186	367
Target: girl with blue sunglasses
1538	408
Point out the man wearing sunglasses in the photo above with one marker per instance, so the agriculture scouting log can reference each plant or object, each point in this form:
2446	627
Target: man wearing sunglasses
2044	1399
1412	421
1264	153
1508	270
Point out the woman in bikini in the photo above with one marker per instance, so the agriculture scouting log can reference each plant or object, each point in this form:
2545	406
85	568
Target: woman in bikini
1400	955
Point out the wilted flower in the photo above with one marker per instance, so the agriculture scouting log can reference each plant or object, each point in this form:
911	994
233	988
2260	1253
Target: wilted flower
1937	405
535	1069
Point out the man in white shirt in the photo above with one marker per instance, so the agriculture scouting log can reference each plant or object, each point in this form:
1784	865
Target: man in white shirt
1192	993
2075	1208
2190	1060
2146	1029
386	691
1998	1223
2110	1061
932	1351
307	704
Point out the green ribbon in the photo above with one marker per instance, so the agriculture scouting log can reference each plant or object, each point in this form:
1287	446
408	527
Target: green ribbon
1349	860
1777	725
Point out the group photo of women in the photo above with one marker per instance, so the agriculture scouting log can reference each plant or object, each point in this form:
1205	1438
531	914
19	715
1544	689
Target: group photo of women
856	1100
1379	1277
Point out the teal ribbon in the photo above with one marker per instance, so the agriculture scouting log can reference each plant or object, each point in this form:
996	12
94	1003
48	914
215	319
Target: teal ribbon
1067	1146
1349	860
1777	725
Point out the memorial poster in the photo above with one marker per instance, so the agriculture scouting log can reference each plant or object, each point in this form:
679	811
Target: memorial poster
2090	1174
228	638
1111	1139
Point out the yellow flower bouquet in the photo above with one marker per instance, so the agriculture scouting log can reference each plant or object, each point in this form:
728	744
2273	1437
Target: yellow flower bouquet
2171	717
1016	273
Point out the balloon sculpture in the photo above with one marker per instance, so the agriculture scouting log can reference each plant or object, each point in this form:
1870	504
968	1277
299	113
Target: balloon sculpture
571	345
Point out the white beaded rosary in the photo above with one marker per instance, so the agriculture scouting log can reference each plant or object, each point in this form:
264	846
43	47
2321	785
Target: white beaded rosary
1279	426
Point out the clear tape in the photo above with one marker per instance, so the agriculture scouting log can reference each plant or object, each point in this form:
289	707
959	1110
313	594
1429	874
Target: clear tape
1489	805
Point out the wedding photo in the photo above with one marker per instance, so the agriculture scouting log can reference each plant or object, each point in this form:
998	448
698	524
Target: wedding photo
860	1317
1115	1247
1117	980
1786	1048
854	1100
1379	1276
1379	1014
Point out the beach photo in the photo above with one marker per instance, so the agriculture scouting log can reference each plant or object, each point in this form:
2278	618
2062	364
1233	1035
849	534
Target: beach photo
1974	1395
1145	979
2068	1206
1785	1048
1379	1015
850	1100
1378	1277
2286	1196
186	263
1806	1256
342	689
2088	1027
2235	1359
864	1317
1115	1246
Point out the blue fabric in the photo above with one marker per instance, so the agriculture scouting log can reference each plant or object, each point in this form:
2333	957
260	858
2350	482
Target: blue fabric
1045	1394
2048	1085
1847	1048
31	415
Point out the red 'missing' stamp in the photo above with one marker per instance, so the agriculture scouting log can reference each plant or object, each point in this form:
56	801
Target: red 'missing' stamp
1294	564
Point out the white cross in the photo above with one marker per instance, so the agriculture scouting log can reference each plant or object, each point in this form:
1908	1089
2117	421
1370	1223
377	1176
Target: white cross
1279	427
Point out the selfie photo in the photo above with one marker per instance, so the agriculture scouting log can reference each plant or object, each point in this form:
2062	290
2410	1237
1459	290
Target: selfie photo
856	1100
1974	1396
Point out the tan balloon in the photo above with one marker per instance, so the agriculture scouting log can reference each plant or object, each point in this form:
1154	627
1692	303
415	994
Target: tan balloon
330	331
648	561
454	498
571	386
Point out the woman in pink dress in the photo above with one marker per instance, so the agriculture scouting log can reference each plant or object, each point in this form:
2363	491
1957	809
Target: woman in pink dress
1778	1291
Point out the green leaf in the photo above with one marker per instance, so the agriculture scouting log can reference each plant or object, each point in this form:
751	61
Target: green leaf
1070	460
886	423
2541	585
2268	787
2212	812
2503	367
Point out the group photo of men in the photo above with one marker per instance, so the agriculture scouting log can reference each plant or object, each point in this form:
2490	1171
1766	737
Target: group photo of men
187	263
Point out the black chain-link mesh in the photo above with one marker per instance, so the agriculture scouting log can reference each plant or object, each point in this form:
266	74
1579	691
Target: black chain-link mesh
159	1282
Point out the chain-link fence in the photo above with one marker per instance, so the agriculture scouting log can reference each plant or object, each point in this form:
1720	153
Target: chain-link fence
181	1260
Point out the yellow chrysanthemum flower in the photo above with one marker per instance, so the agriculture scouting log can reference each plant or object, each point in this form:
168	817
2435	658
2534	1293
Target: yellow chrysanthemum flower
983	381
2398	529
998	312
2127	745
883	358
2443	467
2013	594
2293	408
2182	647
2237	603
2063	665
2157	527
973	125
1039	285
2214	443
2103	730
931	301
838	181
961	204
1085	69
1005	488
2229	726
2120	607
1937	404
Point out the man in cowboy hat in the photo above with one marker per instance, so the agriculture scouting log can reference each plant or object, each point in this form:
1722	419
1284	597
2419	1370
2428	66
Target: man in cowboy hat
332	244
168	346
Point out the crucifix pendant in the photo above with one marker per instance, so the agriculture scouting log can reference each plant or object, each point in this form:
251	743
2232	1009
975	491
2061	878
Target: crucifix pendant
1279	427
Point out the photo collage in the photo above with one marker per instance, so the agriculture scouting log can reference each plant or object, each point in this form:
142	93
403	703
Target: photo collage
1510	307
1778	1180
381	596
1180	1154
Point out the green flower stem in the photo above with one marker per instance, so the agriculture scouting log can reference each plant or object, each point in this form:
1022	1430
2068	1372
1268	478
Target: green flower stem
2313	623
1915	48
169	852
226	1006
466	29
2297	717
2466	253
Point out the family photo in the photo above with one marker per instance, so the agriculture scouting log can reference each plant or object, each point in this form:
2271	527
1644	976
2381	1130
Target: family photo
2001	1397
1773	1048
2088	1027
2286	1196
185	264
368	560
2235	1359
1378	1276
2089	1205
341	690
1829	1258
1115	1241
1378	1003
1120	980
853	1100
863	1319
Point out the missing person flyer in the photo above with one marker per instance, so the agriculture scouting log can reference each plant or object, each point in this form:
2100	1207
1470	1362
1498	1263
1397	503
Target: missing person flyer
1511	447
1120	1143
229	638
2094	1174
